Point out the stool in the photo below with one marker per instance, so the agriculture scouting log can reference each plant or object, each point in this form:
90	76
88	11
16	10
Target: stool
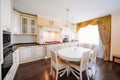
117	56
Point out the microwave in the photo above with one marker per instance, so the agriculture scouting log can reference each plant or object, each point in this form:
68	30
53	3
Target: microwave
6	38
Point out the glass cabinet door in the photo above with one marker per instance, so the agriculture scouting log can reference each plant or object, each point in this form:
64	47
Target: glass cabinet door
24	25
33	26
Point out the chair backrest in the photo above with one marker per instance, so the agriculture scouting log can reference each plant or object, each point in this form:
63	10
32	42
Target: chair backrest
61	46
94	54
85	45
84	61
54	59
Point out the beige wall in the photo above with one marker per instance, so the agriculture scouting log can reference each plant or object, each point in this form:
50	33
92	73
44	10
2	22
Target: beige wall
48	22
115	34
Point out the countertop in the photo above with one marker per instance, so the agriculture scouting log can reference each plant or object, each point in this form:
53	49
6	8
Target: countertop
15	46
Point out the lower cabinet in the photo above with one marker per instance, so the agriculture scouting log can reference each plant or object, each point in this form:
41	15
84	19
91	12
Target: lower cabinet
38	52
25	54
31	53
10	75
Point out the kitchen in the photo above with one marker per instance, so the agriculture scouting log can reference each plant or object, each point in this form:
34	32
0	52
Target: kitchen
27	37
25	34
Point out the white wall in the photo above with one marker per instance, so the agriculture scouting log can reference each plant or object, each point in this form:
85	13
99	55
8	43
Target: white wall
115	34
22	38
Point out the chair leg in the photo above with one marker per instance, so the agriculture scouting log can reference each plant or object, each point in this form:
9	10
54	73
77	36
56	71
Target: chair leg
87	74
51	70
80	75
95	67
68	71
56	74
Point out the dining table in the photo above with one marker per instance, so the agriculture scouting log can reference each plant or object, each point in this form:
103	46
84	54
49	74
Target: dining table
72	53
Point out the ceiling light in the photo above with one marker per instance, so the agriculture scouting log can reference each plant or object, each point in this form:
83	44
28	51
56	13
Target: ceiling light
68	20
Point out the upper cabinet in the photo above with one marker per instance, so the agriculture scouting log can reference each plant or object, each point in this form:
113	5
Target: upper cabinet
16	23
6	14
28	24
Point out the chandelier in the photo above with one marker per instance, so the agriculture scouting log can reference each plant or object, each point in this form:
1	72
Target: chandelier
68	20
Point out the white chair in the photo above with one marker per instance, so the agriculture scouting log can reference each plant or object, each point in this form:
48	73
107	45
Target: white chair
85	45
78	68
61	46
92	61
59	65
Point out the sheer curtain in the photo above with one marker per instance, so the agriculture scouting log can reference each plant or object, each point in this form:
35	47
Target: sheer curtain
89	34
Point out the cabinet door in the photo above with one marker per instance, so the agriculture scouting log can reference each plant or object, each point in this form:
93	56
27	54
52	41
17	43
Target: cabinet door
16	57
25	54
38	52
32	26
24	25
16	23
6	14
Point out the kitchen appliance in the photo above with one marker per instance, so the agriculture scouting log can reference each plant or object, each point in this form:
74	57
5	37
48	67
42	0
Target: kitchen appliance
7	60
6	38
65	40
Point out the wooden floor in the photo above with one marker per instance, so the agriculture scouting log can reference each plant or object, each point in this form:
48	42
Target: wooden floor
39	70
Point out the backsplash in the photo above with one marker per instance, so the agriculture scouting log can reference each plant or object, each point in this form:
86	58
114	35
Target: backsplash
15	38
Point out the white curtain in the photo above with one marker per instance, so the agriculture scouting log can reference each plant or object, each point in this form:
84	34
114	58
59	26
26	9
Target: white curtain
91	36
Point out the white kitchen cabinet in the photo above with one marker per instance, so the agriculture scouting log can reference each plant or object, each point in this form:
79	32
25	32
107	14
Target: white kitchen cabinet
16	23
25	54
38	52
6	14
28	24
31	53
16	57
1	45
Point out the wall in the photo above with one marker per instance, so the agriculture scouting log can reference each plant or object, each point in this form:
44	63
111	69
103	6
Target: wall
42	21
115	34
22	38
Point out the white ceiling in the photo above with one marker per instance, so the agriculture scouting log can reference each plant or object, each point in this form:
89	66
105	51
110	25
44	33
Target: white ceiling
81	10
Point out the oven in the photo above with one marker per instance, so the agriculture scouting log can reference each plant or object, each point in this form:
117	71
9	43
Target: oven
7	60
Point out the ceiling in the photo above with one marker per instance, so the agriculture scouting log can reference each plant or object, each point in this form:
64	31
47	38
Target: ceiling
80	10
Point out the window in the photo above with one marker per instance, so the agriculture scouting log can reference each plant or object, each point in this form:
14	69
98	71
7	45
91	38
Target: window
89	34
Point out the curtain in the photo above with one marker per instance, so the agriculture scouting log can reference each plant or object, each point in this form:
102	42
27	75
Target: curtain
105	38
104	26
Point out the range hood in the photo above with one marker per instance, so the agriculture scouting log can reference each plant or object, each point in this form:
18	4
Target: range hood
50	34
52	29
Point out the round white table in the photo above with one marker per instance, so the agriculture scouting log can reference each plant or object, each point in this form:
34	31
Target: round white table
72	53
